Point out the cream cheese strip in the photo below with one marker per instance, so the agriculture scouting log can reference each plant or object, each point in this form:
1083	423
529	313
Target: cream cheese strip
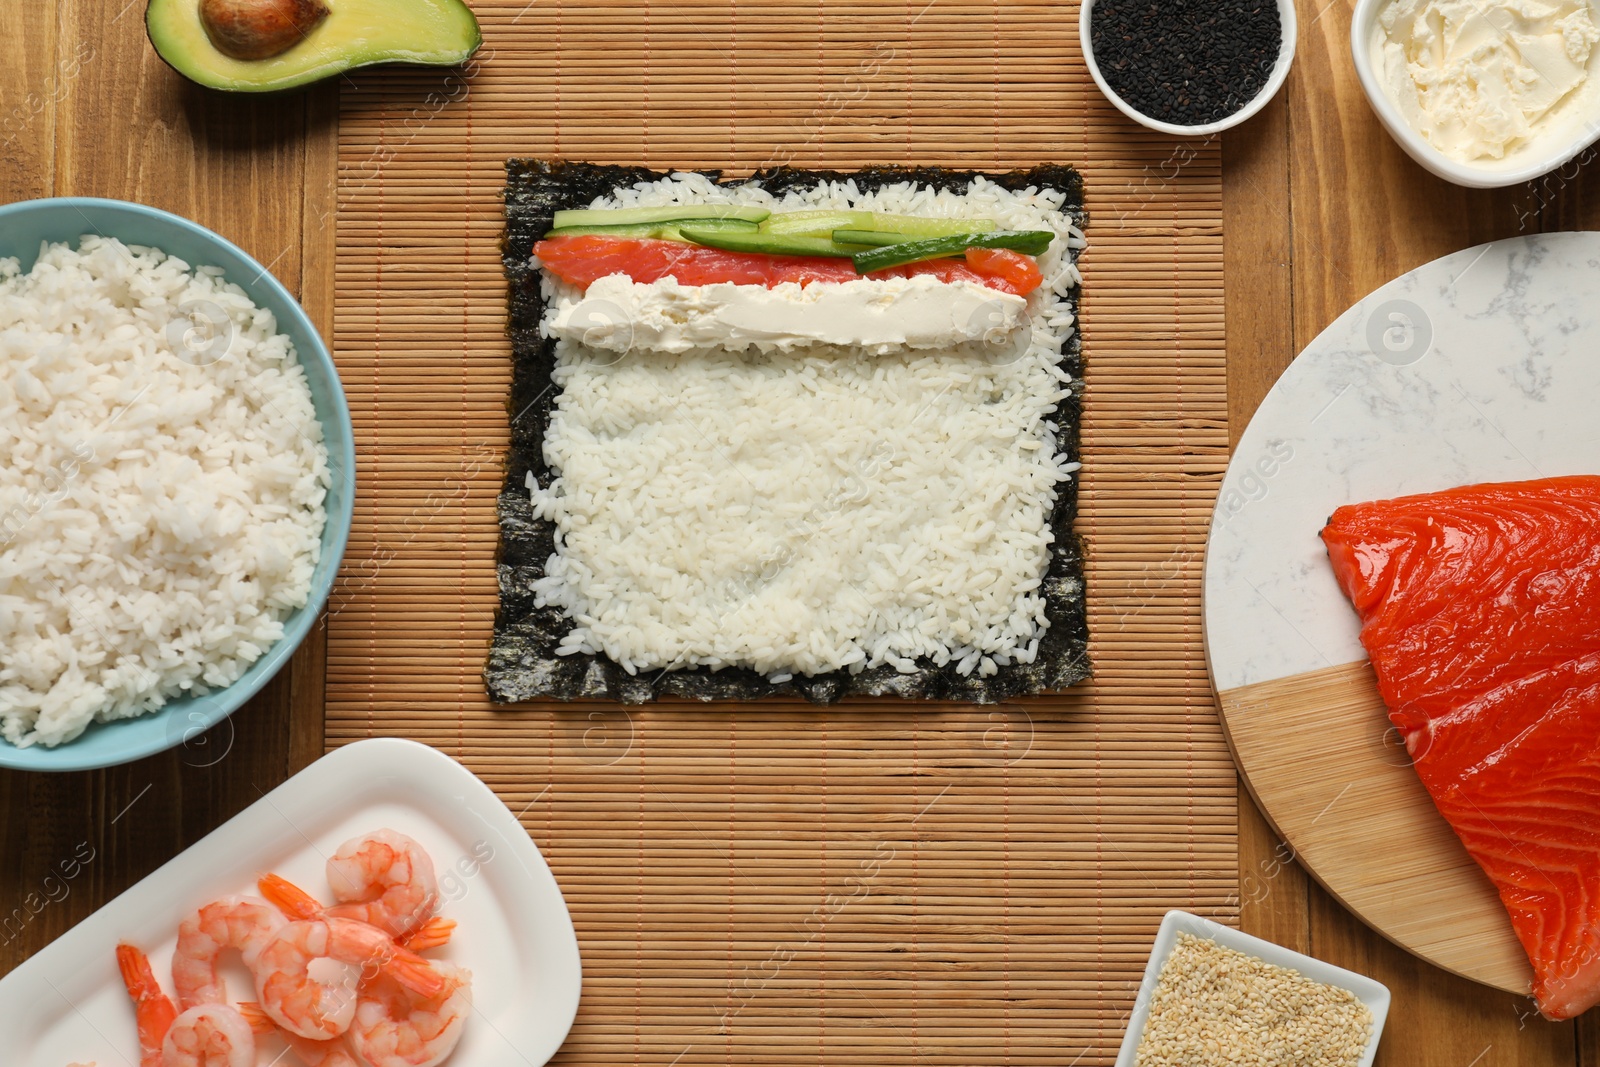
878	316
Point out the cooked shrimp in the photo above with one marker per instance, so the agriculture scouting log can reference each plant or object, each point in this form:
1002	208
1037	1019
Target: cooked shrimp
152	1008
434	933
394	1027
296	903
384	878
311	1006
335	1053
209	1035
332	1053
241	924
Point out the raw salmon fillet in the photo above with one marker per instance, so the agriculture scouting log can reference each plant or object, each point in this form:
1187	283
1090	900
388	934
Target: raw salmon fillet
584	259
1480	609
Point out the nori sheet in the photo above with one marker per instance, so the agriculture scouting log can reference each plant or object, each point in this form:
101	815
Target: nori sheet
522	662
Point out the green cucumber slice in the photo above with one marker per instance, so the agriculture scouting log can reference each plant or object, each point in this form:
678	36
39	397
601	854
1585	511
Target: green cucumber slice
661	231
870	238
1028	242
629	216
816	223
770	244
909	227
914	227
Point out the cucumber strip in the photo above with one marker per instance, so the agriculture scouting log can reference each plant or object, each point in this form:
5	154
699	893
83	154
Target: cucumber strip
913	227
629	216
871	238
1029	242
816	223
662	231
910	227
771	244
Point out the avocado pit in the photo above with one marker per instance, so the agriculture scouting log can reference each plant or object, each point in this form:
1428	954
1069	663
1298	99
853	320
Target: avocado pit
259	29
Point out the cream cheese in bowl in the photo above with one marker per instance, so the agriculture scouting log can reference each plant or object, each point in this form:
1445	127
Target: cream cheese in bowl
1489	80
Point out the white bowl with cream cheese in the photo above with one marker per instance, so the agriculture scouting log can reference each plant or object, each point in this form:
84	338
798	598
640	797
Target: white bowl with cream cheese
1482	93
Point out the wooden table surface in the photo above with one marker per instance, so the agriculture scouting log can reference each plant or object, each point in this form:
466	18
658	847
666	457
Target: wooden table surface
1321	208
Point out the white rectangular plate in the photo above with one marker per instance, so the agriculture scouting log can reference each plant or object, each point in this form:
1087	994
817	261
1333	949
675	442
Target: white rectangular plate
1375	995
67	1004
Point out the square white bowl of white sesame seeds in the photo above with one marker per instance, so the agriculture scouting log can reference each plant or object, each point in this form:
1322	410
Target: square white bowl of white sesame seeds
1230	998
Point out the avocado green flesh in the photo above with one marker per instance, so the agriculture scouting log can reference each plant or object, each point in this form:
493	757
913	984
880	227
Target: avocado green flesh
356	33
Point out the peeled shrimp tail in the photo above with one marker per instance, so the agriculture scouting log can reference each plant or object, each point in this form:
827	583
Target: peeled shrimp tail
434	933
152	1008
412	971
289	898
296	903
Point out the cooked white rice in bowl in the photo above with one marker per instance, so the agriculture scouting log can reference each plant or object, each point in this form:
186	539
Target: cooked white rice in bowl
162	492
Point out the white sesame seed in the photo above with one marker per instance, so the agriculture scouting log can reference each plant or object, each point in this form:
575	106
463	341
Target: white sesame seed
1215	1006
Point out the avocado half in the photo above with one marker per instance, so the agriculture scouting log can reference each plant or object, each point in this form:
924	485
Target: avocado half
355	33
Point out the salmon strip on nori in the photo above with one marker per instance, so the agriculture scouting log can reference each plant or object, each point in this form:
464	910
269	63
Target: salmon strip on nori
1480	609
583	260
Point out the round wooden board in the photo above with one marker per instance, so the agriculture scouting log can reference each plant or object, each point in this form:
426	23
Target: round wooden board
1475	367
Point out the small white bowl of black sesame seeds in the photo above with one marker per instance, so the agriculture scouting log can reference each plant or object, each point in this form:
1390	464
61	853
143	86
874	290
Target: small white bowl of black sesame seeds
1215	997
1190	68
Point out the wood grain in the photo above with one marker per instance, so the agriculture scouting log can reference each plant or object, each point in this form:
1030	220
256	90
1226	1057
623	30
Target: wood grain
1355	212
34	78
1320	209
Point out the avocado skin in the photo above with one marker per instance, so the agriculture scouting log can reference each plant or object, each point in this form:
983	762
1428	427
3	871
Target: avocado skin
356	33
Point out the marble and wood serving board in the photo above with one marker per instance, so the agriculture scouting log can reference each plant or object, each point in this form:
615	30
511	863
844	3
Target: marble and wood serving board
1482	366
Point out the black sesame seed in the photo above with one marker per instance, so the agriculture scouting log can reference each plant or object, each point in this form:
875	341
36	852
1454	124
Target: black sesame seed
1187	62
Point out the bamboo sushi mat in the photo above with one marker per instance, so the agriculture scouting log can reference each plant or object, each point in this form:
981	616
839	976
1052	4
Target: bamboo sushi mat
779	884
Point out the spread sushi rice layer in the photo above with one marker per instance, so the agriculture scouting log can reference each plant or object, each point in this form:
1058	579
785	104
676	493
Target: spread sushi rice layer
825	509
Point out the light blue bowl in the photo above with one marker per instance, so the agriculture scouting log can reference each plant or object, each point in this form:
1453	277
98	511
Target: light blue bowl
22	227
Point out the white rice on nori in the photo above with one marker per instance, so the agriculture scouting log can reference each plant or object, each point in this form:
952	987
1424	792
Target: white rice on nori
161	505
813	511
